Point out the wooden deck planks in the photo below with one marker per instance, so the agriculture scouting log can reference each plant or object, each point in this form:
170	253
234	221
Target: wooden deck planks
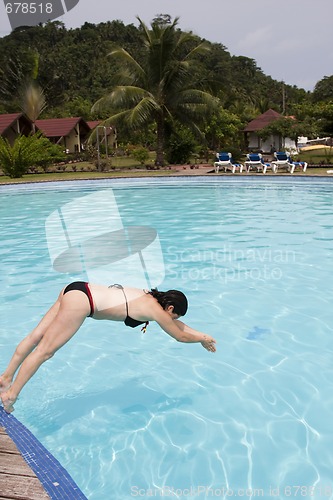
17	479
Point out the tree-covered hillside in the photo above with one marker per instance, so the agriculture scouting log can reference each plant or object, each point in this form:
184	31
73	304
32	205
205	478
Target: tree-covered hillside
74	70
63	72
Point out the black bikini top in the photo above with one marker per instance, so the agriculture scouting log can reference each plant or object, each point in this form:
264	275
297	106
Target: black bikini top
128	320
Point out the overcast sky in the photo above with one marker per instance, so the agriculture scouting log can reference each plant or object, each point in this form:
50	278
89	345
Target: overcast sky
290	40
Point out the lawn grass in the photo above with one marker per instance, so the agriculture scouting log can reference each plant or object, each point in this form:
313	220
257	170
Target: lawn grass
127	167
316	157
72	176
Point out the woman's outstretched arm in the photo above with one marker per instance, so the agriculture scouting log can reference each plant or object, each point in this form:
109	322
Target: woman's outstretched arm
208	342
183	333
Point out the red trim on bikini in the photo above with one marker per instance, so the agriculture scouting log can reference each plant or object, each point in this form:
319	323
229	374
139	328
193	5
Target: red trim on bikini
91	301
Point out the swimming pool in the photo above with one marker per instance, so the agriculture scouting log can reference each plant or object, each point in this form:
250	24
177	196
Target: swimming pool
134	416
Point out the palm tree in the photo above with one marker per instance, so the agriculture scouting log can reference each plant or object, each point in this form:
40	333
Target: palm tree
162	89
33	101
32	96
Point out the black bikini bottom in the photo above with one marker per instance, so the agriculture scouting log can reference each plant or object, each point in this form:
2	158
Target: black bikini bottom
82	286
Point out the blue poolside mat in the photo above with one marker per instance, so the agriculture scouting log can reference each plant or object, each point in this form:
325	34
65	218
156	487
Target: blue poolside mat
55	479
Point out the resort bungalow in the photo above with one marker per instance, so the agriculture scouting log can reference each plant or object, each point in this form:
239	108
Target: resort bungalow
106	134
71	133
257	143
14	124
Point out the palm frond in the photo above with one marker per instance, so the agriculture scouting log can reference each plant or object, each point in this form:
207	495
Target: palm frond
33	100
126	96
145	31
200	49
113	120
143	112
123	96
194	104
129	61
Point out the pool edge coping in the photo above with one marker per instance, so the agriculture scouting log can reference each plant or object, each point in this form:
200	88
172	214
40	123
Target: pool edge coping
54	478
171	176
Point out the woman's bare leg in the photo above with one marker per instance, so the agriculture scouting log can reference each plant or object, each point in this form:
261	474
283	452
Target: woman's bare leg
27	345
73	310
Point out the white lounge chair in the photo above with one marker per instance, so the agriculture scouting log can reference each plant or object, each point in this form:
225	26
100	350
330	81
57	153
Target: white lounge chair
224	160
284	160
255	160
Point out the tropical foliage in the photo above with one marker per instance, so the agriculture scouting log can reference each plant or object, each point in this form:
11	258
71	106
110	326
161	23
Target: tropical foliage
286	127
33	100
323	90
181	145
73	64
159	80
32	96
163	88
27	152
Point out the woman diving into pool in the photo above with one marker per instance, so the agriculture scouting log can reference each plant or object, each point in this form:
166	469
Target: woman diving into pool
80	300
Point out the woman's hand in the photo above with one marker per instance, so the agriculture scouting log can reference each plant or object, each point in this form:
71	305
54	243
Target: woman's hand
209	343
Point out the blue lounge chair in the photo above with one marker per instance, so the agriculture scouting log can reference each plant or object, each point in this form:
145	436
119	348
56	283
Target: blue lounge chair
224	160
255	160
284	160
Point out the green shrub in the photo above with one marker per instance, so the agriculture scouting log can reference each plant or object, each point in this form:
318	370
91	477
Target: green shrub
141	155
236	153
27	152
180	147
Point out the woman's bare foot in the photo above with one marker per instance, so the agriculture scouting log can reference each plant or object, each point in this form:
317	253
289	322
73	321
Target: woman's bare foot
7	402
4	384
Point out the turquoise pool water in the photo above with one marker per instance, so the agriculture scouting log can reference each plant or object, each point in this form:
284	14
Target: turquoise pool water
141	416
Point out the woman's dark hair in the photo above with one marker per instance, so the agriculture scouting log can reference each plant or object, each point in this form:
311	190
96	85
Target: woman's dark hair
171	298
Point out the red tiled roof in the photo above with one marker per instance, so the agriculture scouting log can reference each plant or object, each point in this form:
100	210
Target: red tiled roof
262	121
93	123
59	127
7	120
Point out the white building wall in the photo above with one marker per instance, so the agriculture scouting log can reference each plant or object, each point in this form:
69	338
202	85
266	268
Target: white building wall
255	143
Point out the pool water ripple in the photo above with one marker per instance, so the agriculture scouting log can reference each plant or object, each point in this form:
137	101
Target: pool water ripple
126	412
